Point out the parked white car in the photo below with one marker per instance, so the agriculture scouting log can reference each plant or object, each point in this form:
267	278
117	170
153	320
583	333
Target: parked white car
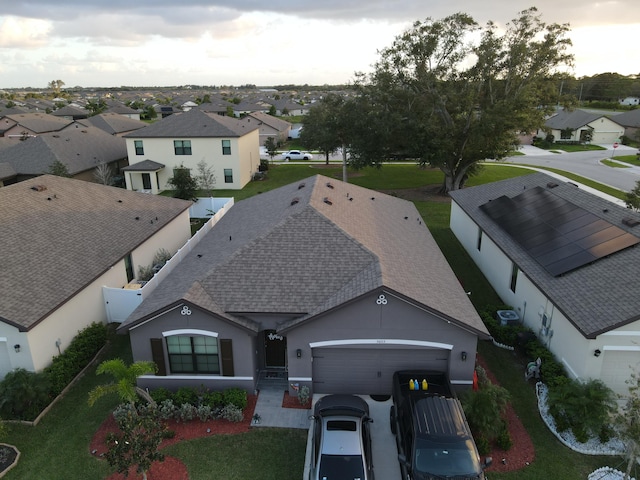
296	155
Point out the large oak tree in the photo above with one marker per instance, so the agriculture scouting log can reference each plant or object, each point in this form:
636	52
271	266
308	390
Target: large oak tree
450	93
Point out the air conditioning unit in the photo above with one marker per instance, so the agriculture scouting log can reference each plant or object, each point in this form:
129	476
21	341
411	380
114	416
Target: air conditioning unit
508	317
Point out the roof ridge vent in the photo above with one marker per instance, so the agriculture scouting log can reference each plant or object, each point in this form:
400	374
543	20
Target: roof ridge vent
630	222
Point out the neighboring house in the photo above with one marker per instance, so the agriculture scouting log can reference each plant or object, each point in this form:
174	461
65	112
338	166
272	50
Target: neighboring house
268	126
227	145
24	125
630	101
333	285
288	107
115	123
62	240
561	257
121	109
80	148
71	113
631	122
582	126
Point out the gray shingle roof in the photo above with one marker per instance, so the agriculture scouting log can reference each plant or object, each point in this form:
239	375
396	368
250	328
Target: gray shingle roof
596	298
307	247
572	119
36	122
192	124
56	241
114	123
628	119
80	149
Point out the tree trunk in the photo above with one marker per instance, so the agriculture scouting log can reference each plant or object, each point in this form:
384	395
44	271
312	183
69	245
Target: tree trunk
345	178
326	158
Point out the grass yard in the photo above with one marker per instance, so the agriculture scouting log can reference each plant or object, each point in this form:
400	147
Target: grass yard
58	448
575	148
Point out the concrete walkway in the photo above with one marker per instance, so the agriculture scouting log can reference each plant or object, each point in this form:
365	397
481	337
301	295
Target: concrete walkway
269	407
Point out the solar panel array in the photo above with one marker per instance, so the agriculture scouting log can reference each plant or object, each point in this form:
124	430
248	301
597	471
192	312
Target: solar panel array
559	235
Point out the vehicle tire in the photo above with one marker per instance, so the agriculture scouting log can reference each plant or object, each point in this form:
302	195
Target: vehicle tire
287	158
392	419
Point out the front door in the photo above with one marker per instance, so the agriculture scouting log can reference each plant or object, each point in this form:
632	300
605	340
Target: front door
275	348
146	181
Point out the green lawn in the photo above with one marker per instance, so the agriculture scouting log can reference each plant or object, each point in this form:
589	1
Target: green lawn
575	148
58	448
630	159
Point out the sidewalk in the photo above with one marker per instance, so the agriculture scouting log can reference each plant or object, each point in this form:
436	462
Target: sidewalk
272	414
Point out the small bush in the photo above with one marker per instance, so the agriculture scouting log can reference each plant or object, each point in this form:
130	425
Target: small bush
303	395
23	394
161	394
167	409
503	440
185	412
232	413
185	395
213	399
484	447
236	397
204	413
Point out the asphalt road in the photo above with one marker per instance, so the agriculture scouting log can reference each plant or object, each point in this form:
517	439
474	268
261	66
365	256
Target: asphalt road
586	164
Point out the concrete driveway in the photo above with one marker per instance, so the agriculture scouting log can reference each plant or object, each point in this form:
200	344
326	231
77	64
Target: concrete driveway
383	442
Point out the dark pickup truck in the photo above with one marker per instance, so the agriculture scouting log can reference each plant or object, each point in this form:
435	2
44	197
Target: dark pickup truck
432	435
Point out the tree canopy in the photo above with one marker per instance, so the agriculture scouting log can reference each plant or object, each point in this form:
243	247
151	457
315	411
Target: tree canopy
450	93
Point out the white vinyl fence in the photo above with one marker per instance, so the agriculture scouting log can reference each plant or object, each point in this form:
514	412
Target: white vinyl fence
120	302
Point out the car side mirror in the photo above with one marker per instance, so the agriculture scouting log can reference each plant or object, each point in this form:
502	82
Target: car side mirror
487	461
367	419
403	460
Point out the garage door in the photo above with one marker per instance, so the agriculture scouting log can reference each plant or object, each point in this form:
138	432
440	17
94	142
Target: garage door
369	371
616	369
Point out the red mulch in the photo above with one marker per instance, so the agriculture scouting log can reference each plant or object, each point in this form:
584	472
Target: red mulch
291	401
519	455
521	452
172	468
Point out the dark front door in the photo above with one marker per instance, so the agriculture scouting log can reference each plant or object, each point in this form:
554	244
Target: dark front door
146	181
275	347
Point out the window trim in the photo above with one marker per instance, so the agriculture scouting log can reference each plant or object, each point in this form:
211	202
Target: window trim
228	177
138	146
193	355
226	147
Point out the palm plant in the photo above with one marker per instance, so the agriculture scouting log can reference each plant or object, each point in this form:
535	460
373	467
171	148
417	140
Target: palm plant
125	384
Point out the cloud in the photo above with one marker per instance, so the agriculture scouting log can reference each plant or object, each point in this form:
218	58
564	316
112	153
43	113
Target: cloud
23	33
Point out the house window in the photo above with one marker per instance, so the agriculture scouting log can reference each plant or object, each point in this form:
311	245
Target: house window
566	134
228	175
139	147
182	147
514	277
479	244
128	265
226	147
193	354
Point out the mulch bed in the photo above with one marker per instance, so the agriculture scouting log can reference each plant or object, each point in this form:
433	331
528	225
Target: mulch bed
520	455
522	452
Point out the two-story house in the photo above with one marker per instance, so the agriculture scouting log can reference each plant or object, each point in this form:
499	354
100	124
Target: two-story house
183	140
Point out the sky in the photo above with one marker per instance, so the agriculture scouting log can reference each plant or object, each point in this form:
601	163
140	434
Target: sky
112	43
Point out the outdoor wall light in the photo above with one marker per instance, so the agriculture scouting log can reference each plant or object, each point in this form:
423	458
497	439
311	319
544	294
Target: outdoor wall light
463	356
17	347
299	353
597	353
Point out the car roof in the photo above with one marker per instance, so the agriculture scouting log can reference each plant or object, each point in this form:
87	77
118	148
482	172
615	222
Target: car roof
341	436
348	405
438	416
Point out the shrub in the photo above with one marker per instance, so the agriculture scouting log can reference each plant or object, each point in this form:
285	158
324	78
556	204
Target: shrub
213	399
232	413
167	409
503	440
204	413
185	412
84	346
161	394
236	397
23	394
303	395
185	395
483	445
483	409
584	408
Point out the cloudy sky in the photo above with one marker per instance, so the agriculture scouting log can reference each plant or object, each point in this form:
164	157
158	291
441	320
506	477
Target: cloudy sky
107	43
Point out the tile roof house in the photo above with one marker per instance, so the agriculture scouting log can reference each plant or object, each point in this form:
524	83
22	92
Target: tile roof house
331	284
582	126
80	148
62	241
566	261
230	147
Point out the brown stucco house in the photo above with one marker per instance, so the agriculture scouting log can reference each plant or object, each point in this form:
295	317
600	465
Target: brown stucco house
333	285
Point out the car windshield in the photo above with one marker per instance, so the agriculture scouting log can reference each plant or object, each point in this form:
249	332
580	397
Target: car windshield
341	467
458	458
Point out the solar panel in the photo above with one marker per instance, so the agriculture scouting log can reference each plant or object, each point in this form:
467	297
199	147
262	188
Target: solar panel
558	234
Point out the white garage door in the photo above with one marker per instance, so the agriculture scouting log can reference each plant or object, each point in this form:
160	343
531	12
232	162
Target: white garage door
369	371
617	368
